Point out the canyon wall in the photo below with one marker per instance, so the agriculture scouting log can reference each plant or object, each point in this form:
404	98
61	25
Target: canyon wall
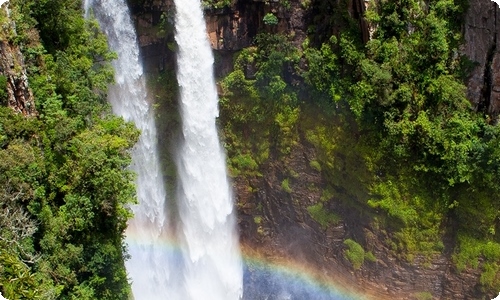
282	215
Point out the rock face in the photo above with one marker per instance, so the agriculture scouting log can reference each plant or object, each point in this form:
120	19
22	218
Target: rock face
19	96
154	22
481	35
285	229
234	28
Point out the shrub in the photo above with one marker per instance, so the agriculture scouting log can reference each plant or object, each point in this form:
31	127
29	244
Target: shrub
423	296
370	257
323	217
355	253
270	19
3	89
315	165
285	185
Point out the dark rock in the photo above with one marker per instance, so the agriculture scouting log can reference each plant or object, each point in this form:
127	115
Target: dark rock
19	95
481	33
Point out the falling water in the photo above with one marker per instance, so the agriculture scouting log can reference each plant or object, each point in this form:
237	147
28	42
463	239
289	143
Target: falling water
209	266
212	264
148	265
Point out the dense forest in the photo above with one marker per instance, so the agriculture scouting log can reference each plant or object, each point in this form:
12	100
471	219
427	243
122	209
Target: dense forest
393	131
63	174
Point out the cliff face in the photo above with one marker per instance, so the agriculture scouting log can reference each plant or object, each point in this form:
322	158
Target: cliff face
154	21
285	228
18	96
481	35
229	29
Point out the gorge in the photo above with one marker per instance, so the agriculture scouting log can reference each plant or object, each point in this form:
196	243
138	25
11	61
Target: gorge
360	137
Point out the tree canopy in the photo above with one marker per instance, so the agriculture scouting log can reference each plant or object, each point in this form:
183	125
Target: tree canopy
64	179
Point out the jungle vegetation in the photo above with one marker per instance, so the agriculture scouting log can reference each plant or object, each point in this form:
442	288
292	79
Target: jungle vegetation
392	127
390	122
64	182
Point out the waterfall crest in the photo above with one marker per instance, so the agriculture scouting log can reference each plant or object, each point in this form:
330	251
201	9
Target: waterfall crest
212	263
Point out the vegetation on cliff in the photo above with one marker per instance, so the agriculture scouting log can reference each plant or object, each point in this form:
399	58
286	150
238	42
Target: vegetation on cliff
64	183
393	132
393	129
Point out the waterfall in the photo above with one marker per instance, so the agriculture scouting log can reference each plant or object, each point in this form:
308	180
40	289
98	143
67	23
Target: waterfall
148	265
209	265
212	264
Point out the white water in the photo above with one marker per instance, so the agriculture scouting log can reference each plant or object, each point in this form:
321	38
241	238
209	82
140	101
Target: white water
212	263
148	266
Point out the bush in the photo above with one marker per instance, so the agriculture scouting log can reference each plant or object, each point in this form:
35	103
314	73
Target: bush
423	296
270	19
323	217
285	185
3	89
315	165
355	253
370	257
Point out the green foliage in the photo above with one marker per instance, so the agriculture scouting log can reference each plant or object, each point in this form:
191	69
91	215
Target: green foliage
305	3
406	90
323	72
285	185
270	19
343	163
394	134
327	194
217	4
3	89
474	253
489	277
315	165
369	256
321	215
17	281
64	175
416	214
243	164
354	253
423	296
259	112
286	120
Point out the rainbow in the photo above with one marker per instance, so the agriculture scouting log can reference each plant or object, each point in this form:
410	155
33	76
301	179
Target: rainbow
283	279
265	279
